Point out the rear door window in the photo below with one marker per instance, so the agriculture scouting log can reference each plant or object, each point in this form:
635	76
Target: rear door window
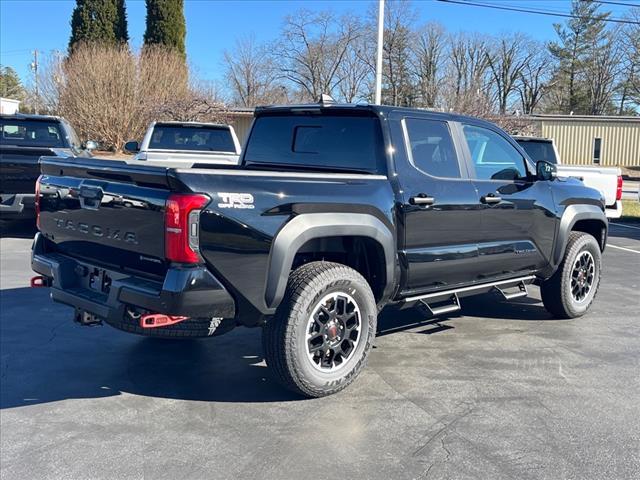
348	143
431	148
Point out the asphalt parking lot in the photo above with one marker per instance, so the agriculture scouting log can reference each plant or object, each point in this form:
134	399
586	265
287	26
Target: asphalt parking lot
499	392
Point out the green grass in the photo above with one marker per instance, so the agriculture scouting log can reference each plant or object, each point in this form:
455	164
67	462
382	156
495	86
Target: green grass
630	211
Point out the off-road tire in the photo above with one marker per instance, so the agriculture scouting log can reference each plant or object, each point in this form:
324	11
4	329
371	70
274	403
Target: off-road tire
284	337
556	291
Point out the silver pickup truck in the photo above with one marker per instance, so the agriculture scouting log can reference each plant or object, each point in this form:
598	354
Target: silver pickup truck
607	180
187	143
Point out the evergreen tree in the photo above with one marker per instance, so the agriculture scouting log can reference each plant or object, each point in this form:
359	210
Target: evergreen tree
166	25
102	21
577	39
10	84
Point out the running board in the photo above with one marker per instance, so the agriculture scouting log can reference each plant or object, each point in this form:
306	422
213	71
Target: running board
453	306
443	296
521	292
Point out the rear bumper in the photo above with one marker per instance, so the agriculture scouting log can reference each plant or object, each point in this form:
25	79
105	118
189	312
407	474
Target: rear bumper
16	206
190	292
614	211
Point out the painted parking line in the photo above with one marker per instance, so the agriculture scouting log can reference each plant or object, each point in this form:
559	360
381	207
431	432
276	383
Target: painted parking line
624	225
623	248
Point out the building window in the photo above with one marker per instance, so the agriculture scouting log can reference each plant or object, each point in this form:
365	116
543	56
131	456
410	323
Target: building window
597	147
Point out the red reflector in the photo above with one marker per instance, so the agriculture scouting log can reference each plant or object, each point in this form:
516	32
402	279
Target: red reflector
37	203
38	281
155	320
181	228
619	189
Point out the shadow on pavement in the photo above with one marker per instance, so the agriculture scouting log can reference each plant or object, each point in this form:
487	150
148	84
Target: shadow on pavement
18	229
45	357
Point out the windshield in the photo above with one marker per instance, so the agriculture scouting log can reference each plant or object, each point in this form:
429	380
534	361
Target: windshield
192	137
351	143
31	133
539	150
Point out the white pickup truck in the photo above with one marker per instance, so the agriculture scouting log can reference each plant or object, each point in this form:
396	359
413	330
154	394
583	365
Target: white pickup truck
607	180
187	143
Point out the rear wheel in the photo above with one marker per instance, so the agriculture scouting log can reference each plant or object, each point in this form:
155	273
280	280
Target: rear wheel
320	337
571	290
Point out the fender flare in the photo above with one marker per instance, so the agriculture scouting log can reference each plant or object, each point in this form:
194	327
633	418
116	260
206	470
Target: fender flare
571	215
305	227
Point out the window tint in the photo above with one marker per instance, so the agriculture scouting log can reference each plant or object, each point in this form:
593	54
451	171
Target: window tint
317	142
539	150
493	157
31	133
432	149
197	138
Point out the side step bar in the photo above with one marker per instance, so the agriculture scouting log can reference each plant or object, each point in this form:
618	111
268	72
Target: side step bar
453	306
452	297
521	292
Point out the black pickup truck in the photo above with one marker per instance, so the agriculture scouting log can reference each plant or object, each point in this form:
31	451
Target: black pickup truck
334	212
24	139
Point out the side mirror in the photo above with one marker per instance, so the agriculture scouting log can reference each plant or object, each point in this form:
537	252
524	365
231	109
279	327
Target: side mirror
132	147
90	145
546	170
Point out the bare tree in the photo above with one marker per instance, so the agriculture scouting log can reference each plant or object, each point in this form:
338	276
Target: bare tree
467	83
534	78
629	88
428	63
602	69
506	60
251	73
356	70
311	51
397	88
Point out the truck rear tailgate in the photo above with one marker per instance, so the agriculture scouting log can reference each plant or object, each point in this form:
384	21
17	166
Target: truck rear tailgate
105	211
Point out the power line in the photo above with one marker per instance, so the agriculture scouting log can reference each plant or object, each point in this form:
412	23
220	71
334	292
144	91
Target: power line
609	2
540	12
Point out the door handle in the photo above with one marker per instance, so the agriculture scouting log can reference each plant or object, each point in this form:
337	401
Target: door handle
422	199
491	199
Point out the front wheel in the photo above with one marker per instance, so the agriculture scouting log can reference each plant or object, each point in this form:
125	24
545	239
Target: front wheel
320	337
571	290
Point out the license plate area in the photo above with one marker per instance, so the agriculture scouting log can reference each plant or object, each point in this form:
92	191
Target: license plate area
99	281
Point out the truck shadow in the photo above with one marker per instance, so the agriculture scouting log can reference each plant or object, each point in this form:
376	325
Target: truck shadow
47	358
18	229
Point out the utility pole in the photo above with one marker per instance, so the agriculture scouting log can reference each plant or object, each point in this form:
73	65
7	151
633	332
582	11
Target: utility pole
378	97
34	67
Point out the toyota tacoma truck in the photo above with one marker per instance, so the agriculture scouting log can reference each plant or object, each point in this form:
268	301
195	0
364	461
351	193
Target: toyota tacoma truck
187	144
25	138
333	213
607	180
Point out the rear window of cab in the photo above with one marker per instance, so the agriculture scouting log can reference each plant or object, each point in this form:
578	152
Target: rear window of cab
320	142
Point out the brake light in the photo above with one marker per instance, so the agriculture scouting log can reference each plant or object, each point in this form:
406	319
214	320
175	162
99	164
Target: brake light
37	202
619	189
182	226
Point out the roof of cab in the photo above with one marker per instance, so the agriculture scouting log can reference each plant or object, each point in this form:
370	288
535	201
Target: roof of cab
30	116
383	110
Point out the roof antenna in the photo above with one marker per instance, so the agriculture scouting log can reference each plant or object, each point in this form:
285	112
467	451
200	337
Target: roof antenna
326	99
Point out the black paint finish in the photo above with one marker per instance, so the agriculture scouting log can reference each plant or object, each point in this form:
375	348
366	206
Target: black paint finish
453	239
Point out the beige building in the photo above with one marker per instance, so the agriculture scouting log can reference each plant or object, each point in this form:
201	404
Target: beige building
593	140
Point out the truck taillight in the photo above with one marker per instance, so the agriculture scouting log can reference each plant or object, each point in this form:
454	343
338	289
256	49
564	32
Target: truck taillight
182	227
37	202
619	189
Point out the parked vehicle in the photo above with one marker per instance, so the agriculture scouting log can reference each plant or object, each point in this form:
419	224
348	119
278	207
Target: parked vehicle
607	180
187	143
334	212
24	139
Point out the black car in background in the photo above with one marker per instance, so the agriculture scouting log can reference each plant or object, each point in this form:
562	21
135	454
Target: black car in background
24	139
